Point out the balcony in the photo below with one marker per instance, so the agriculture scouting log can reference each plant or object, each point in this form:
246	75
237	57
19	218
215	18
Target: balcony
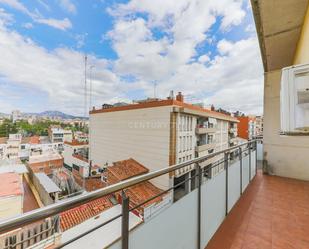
203	147
239	207
210	198
272	213
204	130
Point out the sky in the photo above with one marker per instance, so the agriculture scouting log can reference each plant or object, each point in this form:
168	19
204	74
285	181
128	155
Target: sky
136	49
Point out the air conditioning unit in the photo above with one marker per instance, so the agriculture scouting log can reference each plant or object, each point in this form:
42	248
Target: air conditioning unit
294	100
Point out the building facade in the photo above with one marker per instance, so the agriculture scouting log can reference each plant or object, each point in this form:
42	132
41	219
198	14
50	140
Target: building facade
247	127
58	135
157	133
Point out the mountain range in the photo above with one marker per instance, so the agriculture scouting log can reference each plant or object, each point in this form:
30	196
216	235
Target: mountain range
50	114
55	114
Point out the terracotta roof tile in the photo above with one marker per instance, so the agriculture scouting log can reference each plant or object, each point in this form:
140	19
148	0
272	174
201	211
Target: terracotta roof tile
126	169
76	143
77	215
34	140
80	157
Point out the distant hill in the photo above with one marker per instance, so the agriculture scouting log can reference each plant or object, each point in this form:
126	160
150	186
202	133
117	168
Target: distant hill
4	115
56	114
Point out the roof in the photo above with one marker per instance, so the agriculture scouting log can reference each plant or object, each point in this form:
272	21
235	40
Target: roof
30	140
142	192
278	24
10	161
3	140
102	237
126	169
47	183
123	170
16	168
10	184
167	102
76	143
34	140
44	157
75	216
90	184
80	157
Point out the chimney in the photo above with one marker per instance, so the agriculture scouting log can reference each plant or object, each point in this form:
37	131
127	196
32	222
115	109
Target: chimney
179	97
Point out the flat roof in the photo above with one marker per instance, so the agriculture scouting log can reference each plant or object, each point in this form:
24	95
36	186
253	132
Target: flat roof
17	168
47	183
195	110
10	184
44	157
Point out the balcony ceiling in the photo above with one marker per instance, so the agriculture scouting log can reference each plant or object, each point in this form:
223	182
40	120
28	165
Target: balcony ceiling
278	24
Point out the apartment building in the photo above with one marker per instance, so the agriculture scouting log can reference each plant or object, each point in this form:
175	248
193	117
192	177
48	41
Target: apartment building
16	115
259	125
13	145
157	133
75	156
247	127
46	162
58	135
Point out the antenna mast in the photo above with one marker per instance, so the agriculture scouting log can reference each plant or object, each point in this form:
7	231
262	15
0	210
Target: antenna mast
85	88
154	89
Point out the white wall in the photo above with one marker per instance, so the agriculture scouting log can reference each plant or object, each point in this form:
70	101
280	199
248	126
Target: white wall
11	206
142	134
286	155
176	227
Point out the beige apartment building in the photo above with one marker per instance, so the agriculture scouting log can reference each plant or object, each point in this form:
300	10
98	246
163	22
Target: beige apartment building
158	133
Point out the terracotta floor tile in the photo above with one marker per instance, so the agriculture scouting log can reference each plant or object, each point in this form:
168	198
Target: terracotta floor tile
272	213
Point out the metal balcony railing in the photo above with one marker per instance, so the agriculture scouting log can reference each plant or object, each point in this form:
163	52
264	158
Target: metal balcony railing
245	156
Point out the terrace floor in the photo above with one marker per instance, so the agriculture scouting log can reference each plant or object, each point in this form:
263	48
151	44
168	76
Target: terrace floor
273	213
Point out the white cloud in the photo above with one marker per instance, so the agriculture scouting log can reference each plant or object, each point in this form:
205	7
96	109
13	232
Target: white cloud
58	74
56	23
232	79
27	25
170	59
204	58
16	5
63	24
68	6
5	18
44	4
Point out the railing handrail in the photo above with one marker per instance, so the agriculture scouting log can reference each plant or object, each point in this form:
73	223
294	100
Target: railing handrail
56	208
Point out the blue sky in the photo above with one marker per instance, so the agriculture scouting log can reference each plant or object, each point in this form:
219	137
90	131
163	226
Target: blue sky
207	50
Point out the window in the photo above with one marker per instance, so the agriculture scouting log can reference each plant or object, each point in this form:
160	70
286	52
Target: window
188	123
179	160
180	143
76	167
